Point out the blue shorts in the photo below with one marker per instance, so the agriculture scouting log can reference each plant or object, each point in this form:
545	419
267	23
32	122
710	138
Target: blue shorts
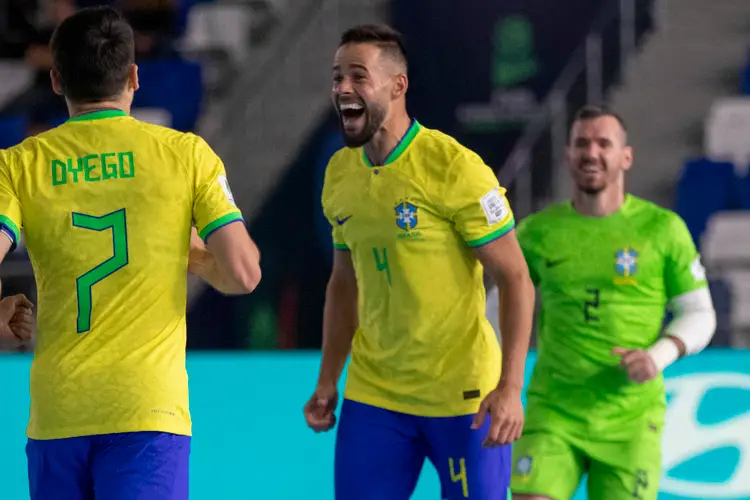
380	453
127	466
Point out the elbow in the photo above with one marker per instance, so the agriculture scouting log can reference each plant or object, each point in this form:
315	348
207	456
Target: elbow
244	279
249	280
518	282
342	289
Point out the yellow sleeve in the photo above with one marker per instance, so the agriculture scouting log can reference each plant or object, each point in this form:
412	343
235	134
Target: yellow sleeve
476	201
10	206
338	238
213	204
335	219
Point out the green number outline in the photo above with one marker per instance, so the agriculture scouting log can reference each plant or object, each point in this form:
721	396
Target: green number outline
117	222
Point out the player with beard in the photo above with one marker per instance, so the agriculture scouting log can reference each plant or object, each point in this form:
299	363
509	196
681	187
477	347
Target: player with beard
416	216
606	265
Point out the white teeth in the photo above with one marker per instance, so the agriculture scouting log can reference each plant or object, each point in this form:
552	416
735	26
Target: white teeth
350	105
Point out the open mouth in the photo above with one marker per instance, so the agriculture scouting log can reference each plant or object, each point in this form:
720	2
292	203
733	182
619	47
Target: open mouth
351	112
589	168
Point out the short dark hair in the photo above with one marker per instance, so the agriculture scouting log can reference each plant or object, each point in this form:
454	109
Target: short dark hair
592	112
93	51
388	39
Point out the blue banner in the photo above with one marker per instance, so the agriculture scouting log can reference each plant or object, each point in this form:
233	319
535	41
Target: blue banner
250	439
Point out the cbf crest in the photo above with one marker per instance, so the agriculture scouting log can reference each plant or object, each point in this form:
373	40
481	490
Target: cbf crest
626	266
407	217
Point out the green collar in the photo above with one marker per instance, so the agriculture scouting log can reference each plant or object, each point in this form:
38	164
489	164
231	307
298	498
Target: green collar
98	115
404	143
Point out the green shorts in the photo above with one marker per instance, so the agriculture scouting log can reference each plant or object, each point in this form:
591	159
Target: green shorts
551	460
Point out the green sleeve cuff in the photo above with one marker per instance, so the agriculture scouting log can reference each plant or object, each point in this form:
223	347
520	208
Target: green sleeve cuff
11	227
493	235
218	223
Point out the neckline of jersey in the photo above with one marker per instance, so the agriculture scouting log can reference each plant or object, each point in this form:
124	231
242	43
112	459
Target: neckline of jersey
620	211
402	145
98	115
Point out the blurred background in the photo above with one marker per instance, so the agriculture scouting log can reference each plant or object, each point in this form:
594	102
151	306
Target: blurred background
253	78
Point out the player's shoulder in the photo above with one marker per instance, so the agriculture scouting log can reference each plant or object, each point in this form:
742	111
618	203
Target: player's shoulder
549	217
443	159
180	142
533	229
344	156
651	216
342	161
443	149
15	156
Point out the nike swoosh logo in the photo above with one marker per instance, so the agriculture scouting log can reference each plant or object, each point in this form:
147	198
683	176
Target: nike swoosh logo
555	263
340	221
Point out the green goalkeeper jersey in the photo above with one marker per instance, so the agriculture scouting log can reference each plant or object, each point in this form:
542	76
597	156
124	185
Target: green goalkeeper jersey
604	282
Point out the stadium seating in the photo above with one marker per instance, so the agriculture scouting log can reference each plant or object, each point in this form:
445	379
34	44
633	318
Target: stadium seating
740	286
15	77
173	85
704	188
156	116
727	130
713	197
222	27
721	293
745	83
12	130
726	241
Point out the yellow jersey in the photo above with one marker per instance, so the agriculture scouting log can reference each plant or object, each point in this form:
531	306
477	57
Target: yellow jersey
106	204
423	345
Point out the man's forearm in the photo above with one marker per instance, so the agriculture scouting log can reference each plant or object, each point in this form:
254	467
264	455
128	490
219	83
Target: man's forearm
690	330
339	324
202	264
516	317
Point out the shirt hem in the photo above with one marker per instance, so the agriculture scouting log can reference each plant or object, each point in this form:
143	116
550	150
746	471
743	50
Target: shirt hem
43	435
415	410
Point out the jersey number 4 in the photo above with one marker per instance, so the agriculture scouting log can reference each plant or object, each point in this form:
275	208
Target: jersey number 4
381	262
115	221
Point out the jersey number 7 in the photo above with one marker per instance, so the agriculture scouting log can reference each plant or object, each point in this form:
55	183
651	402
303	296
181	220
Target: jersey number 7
117	222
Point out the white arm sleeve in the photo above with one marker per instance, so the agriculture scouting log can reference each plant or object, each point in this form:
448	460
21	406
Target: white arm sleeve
693	322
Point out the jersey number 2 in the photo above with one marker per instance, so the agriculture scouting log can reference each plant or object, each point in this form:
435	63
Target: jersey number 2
590	306
117	223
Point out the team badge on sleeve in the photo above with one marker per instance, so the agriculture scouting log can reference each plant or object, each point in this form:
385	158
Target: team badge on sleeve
224	183
495	207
